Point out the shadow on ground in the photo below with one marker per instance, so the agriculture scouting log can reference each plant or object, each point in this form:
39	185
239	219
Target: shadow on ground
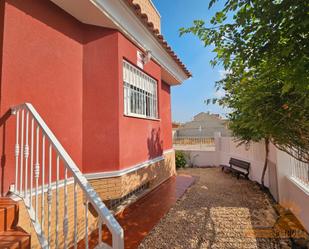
219	212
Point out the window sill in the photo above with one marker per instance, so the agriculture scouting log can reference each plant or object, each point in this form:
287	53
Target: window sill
141	117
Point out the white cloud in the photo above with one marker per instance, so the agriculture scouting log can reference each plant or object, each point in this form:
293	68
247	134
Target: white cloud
223	73
220	93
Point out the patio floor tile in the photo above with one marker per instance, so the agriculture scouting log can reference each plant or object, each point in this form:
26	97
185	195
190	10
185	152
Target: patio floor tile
139	218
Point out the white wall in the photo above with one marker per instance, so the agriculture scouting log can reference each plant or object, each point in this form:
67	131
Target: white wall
207	156
202	158
255	154
291	194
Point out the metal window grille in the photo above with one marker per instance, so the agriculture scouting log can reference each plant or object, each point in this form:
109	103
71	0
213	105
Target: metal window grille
140	93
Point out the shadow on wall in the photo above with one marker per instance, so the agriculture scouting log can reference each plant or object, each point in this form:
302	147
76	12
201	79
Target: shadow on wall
3	120
155	144
44	11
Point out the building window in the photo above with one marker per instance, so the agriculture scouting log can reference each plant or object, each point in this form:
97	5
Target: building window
140	93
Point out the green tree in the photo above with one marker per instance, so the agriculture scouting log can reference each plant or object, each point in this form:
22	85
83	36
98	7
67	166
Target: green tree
263	46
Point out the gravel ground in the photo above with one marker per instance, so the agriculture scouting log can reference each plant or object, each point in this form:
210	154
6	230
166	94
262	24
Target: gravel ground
219	212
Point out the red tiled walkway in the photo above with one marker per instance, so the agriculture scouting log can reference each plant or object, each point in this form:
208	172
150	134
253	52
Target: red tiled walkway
139	218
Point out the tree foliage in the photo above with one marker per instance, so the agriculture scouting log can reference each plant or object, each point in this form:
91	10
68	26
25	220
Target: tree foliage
180	159
263	46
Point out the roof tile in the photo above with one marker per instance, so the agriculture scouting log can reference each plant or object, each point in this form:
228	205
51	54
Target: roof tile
145	20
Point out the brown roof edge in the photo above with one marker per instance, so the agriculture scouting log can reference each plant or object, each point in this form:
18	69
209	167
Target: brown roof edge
156	33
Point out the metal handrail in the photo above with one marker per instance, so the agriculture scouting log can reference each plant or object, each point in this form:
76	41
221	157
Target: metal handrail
103	212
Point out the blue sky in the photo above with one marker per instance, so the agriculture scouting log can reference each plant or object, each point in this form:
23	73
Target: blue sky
188	99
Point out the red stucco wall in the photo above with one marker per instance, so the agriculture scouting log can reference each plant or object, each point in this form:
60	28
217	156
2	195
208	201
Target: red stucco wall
100	101
112	141
143	139
72	74
166	116
42	64
3	123
1	35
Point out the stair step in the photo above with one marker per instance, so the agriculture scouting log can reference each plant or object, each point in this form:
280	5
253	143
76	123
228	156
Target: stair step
6	200
15	239
8	215
11	236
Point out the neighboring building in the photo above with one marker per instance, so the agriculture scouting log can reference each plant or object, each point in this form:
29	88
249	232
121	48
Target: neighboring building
175	127
204	125
99	73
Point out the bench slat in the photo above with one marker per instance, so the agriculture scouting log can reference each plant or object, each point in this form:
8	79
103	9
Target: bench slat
240	164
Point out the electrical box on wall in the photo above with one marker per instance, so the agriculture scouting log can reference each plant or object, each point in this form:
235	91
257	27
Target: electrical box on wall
140	60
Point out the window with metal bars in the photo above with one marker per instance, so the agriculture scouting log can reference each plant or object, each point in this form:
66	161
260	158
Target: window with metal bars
140	93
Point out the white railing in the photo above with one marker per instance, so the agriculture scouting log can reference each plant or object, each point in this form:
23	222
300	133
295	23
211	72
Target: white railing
194	141
34	169
300	172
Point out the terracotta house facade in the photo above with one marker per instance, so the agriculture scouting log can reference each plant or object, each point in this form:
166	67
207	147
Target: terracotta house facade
97	77
100	74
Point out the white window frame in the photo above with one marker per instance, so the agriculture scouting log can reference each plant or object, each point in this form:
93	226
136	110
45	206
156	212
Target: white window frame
140	93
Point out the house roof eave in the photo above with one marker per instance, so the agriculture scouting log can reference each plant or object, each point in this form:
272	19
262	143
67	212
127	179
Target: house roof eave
126	17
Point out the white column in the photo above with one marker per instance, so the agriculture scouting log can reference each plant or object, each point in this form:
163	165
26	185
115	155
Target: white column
217	136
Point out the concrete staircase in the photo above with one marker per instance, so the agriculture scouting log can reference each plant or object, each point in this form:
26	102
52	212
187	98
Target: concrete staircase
11	236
